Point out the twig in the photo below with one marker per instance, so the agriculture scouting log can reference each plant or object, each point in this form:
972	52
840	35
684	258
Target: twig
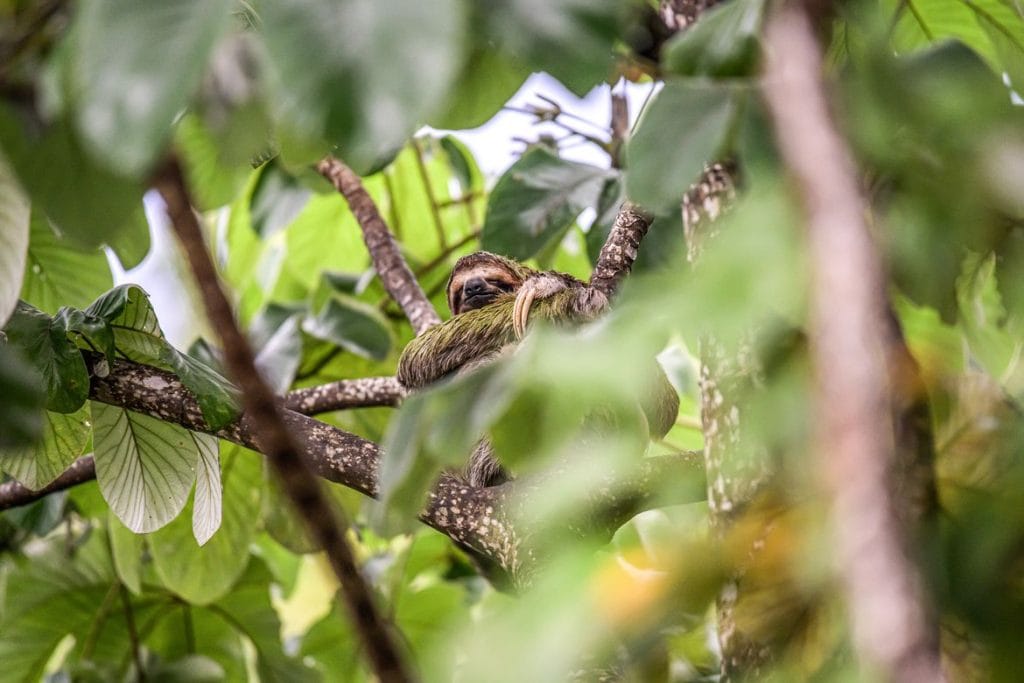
619	126
892	627
285	456
394	273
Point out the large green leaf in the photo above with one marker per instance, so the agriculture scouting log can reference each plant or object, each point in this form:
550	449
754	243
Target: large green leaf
138	335
88	202
362	74
488	80
22	408
64	438
204	574
134	66
145	467
683	129
213	180
58	273
723	43
56	360
14	231
536	201
207	504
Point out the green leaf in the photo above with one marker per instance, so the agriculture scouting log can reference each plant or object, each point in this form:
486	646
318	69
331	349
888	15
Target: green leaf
278	359
14	232
248	607
682	130
536	201
137	334
145	467
93	329
1004	27
207	504
325	236
277	200
202	575
214	181
352	325
926	22
59	273
723	43
132	243
488	80
363	74
573	40
54	357
126	548
46	597
90	203
64	439
135	64
22	408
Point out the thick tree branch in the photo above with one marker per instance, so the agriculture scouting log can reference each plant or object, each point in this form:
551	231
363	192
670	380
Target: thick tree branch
891	624
285	454
394	273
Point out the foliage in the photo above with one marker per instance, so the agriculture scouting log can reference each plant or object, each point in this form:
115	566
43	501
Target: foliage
181	557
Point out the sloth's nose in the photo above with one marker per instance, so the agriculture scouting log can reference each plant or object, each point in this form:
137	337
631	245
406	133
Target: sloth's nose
475	286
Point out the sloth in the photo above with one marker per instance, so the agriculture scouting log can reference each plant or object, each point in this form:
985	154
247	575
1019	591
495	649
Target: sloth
492	299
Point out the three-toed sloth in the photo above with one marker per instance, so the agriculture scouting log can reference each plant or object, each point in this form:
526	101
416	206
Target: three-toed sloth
491	299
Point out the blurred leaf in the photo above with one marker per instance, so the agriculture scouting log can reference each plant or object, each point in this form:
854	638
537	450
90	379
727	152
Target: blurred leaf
60	274
206	509
462	164
352	325
202	575
536	201
64	439
573	40
145	467
190	669
931	21
132	243
14	232
362	75
56	360
487	81
126	549
1003	25
249	610
684	128
276	200
138	336
22	409
213	180
46	597
89	203
134	67
724	43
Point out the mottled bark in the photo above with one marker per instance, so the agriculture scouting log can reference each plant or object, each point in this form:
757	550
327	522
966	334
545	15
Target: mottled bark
391	267
620	249
363	392
704	203
892	624
325	523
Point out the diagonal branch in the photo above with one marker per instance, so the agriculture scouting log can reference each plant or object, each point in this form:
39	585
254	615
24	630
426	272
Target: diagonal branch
892	626
620	249
394	272
325	524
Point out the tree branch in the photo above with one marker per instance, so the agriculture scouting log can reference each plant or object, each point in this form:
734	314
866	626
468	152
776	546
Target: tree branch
394	272
363	392
892	627
620	249
286	455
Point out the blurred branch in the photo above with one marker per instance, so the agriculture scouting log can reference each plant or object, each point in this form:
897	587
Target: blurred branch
892	626
284	452
391	267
